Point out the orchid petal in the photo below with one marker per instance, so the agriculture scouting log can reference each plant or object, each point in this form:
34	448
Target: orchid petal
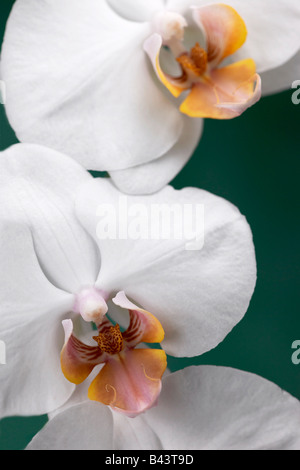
143	326
153	46
37	189
227	93
87	426
130	382
79	395
125	427
216	408
31	311
201	408
153	176
225	31
89	50
281	78
77	358
197	294
273	27
136	10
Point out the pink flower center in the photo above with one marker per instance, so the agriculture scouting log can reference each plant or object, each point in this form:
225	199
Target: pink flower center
130	379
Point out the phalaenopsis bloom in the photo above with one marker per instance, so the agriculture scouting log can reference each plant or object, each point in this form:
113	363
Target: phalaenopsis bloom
123	86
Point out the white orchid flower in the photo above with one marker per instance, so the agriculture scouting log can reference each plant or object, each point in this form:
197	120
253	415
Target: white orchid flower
57	268
79	77
200	408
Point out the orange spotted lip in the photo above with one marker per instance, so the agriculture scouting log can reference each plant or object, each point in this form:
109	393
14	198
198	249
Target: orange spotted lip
130	380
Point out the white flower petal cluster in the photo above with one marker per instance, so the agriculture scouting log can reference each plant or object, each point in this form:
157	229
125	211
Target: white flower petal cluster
79	81
112	85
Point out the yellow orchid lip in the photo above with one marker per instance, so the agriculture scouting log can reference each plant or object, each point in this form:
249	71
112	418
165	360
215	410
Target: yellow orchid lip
226	94
215	92
130	380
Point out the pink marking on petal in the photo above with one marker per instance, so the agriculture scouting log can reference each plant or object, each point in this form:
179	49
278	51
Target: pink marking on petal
224	29
106	323
131	381
143	326
78	359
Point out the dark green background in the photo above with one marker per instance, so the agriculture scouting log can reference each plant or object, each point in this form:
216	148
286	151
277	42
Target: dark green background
252	161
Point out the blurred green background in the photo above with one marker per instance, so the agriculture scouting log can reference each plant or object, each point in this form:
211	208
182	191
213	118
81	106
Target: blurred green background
254	162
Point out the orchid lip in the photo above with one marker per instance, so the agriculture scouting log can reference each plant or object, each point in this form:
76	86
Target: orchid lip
214	91
130	380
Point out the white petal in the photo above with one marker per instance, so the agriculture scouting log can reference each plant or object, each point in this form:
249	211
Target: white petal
31	310
273	28
80	393
137	10
216	408
181	6
273	31
153	176
198	295
37	189
88	426
78	80
127	432
282	77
